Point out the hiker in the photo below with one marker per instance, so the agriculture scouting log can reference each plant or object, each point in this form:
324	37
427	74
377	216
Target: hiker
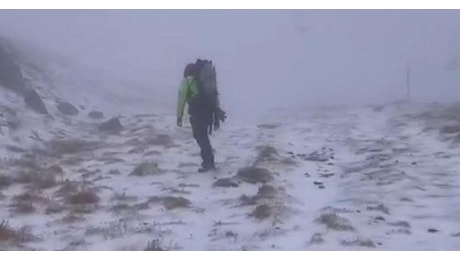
199	90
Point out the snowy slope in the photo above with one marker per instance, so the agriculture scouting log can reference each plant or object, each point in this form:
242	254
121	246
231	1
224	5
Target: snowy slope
328	178
341	179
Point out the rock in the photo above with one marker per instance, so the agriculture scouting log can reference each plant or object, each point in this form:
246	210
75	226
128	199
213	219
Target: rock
96	115
34	101
113	126
10	73
67	109
380	218
433	230
318	183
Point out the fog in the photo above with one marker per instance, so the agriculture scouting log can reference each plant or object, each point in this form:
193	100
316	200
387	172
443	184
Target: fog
265	59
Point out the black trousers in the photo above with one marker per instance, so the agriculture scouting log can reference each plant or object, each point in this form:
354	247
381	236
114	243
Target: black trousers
200	126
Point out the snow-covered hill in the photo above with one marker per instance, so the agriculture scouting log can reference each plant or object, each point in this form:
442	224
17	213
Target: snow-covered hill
337	178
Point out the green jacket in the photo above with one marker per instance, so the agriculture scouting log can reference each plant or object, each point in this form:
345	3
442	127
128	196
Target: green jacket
188	90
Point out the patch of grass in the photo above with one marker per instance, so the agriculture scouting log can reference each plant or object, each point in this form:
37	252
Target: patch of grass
403	224
123	197
146	169
15	149
170	202
335	222
317	238
268	126
67	188
7	233
359	242
38	179
246	200
29	197
22	208
266	154
54	208
154	245
381	208
226	183
59	147
254	175
72	218
122	207
5	181
267	191
83	197
452	129
26	162
262	212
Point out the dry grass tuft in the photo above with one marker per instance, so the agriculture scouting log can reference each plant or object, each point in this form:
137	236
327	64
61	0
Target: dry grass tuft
335	222
254	175
15	237
226	183
22	208
262	212
266	154
175	202
59	147
7	233
5	181
146	169
37	179
83	197
267	191
359	242
452	129
154	245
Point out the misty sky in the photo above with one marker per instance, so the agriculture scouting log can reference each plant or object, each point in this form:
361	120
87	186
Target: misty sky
277	57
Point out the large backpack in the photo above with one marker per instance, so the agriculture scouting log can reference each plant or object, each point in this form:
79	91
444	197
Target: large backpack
207	83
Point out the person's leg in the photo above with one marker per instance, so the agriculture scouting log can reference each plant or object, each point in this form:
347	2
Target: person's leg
200	133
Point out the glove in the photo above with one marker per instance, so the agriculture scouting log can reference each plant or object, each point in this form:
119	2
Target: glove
221	115
179	122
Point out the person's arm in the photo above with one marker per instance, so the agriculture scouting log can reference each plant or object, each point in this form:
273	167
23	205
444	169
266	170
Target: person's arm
182	98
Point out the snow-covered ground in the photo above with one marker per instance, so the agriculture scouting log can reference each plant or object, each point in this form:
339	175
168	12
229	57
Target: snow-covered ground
323	179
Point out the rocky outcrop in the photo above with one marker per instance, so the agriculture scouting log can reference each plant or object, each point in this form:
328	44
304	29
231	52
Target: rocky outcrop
34	101
111	126
67	109
10	73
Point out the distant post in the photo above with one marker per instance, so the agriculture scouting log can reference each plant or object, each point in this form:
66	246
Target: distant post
408	87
